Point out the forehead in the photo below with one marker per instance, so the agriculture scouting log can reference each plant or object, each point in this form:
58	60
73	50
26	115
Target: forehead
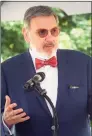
46	22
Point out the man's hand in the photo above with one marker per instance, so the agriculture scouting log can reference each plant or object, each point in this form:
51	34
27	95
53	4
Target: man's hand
11	116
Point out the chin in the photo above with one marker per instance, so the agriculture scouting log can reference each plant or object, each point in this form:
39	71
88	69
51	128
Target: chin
49	52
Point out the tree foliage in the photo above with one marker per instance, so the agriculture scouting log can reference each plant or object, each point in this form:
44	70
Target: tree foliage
75	34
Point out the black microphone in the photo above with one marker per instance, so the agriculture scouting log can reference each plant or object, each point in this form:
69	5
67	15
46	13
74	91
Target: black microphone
38	77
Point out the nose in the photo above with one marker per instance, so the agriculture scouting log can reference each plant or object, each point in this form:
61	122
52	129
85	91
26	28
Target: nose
49	37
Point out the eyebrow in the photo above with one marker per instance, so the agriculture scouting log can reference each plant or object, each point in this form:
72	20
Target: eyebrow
46	28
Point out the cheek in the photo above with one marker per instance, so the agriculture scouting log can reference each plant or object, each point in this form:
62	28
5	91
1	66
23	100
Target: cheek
33	39
56	43
37	42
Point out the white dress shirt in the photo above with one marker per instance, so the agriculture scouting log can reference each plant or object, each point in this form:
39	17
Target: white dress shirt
50	83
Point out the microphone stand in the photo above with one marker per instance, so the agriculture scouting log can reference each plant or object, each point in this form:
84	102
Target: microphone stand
43	92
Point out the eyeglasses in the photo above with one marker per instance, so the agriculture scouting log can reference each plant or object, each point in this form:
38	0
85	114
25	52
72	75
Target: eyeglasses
44	32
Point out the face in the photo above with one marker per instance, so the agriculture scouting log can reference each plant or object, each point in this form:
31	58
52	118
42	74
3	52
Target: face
43	34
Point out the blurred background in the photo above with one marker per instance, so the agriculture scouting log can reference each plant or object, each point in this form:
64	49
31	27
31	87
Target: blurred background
74	21
75	27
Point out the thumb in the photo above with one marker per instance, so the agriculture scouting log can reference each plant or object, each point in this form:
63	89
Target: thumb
8	101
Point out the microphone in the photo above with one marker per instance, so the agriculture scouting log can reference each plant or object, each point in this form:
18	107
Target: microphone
38	77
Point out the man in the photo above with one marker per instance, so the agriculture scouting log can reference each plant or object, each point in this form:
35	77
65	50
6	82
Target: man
68	82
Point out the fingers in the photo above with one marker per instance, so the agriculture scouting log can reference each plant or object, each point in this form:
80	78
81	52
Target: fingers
10	107
20	117
17	111
8	101
16	114
12	116
24	119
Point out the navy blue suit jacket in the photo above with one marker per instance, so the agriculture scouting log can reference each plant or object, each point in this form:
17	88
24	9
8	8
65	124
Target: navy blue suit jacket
73	105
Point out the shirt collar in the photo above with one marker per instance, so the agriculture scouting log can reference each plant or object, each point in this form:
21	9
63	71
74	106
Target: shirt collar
34	54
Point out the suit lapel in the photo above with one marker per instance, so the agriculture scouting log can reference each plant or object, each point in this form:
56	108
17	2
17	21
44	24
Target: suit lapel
62	77
30	72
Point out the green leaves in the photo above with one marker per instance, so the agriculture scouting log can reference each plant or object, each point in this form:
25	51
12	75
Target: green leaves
12	41
75	34
78	31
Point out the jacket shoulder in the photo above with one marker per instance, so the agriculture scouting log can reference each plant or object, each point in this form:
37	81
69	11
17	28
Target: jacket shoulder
74	54
15	60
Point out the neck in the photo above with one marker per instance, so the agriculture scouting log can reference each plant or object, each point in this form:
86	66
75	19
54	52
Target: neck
42	55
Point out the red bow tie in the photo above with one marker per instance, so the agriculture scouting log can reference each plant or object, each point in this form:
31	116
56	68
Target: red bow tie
40	63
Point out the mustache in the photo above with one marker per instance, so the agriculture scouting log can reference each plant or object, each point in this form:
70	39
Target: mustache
49	43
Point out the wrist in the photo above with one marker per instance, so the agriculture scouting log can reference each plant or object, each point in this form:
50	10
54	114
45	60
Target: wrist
8	125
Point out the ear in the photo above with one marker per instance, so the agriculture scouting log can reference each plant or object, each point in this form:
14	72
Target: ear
25	33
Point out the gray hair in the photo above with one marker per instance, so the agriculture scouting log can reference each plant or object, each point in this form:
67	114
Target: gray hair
38	11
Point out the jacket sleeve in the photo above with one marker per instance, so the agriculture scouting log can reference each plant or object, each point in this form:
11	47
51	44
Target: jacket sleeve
4	91
89	80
